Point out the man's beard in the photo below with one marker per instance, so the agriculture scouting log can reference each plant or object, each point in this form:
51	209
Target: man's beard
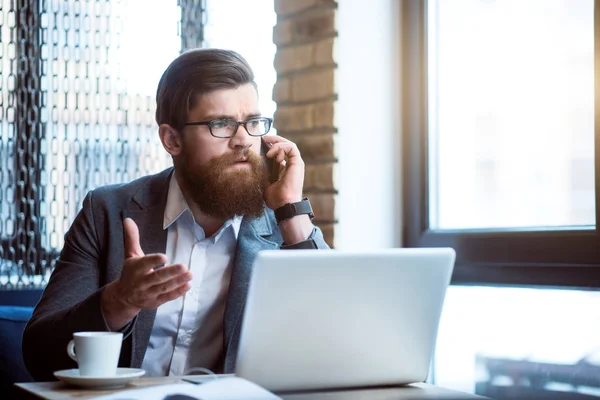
223	192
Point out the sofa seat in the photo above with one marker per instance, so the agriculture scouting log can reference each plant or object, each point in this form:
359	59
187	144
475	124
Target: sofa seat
12	324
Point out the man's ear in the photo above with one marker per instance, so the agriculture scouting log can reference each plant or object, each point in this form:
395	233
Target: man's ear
171	139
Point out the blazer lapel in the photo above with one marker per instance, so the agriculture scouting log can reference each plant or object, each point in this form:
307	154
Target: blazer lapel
147	210
252	238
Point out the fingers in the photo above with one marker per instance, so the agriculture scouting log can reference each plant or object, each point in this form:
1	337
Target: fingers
143	285
280	157
284	150
165	276
174	294
154	260
169	285
131	235
273	139
138	267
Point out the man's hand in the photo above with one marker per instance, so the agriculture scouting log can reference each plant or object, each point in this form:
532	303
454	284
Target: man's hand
140	286
288	189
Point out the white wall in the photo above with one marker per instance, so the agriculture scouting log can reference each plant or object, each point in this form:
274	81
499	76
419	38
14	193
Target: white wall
368	207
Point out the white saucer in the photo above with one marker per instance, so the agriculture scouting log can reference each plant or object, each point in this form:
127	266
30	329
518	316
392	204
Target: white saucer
123	377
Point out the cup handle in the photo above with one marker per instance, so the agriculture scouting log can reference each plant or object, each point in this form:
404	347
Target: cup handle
71	350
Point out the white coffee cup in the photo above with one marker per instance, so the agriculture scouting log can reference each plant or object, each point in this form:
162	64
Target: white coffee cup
96	353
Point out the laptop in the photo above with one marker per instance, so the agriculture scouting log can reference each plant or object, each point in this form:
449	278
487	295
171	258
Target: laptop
332	319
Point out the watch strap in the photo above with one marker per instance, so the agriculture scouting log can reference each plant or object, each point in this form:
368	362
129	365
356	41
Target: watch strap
290	210
309	243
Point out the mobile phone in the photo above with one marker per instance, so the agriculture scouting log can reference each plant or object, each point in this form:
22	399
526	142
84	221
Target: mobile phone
273	168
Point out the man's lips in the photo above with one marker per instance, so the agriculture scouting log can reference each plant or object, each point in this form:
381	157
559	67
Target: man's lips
241	163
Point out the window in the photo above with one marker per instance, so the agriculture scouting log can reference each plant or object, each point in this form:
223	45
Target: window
511	114
77	103
517	343
499	138
100	104
78	81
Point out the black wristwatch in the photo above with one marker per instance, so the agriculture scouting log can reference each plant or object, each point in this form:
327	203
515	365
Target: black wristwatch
290	210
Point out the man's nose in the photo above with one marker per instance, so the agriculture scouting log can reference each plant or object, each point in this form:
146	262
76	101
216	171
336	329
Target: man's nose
241	139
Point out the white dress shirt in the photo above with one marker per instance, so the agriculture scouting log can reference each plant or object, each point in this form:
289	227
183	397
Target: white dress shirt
188	331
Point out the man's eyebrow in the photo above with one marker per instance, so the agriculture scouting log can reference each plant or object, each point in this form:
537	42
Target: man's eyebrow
210	117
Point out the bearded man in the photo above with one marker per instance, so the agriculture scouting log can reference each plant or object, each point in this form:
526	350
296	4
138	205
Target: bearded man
166	259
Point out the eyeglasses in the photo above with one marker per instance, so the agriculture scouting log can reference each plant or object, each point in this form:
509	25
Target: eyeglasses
227	128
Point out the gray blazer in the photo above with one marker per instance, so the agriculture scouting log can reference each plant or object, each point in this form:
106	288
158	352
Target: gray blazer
93	256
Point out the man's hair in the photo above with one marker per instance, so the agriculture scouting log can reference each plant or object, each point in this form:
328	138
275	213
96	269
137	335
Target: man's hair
194	73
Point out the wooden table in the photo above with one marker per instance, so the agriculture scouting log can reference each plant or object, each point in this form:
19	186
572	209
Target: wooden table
60	391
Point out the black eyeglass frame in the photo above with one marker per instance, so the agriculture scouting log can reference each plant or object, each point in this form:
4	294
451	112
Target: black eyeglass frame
238	123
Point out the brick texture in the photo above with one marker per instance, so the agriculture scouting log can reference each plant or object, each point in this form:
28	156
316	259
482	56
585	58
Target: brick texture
324	115
314	85
317	147
283	32
325	52
319	177
306	28
294	118
295	58
323	206
282	90
287	7
306	97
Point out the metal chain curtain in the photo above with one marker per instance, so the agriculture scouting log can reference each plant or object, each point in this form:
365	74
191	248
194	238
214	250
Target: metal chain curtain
193	21
68	124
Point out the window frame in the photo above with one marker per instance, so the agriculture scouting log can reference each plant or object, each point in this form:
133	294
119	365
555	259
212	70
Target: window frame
517	257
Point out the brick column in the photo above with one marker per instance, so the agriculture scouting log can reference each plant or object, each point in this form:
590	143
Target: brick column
306	96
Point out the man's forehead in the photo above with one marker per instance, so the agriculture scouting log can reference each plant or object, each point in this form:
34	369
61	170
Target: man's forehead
234	102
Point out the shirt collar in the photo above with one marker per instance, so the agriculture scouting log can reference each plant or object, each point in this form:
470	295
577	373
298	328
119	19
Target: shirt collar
234	223
177	206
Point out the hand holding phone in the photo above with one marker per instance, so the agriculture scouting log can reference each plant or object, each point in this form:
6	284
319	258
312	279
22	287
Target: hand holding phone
273	167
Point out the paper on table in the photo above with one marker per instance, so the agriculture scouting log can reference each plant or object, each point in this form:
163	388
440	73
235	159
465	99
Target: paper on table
220	389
